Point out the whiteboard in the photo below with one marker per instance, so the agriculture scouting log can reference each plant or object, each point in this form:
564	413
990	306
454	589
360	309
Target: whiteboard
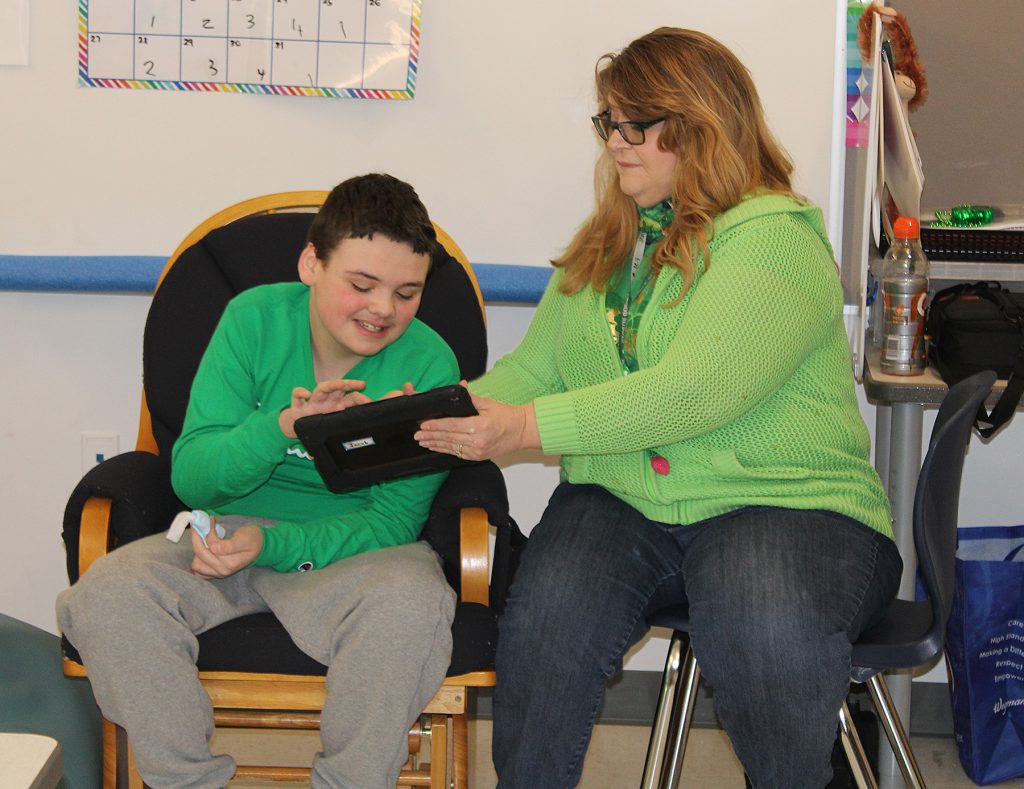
497	140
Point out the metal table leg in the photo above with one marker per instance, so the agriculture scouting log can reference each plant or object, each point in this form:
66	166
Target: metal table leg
904	464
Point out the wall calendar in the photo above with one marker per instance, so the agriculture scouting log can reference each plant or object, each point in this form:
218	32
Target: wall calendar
364	49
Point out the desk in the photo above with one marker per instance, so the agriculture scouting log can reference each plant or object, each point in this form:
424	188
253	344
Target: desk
29	761
901	401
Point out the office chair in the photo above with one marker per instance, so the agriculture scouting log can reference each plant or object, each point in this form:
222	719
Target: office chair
910	634
255	675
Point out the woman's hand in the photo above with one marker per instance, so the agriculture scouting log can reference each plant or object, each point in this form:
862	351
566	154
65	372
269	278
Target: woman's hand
219	558
498	429
328	397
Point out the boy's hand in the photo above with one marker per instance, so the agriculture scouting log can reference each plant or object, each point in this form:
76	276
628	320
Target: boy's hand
407	389
226	557
328	396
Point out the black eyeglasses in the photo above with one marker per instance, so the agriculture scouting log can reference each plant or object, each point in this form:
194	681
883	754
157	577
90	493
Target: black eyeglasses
632	132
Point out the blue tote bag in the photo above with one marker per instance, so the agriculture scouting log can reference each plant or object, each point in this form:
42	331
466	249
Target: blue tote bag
985	652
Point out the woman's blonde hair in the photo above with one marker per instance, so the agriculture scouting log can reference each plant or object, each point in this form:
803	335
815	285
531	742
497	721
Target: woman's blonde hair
715	125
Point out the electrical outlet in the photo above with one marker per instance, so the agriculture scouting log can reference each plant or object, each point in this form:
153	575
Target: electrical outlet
97	447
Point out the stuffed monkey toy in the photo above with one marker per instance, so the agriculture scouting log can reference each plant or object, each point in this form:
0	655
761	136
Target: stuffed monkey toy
911	83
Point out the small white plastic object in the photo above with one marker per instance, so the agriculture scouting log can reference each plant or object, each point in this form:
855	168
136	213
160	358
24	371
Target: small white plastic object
201	525
178	526
198	520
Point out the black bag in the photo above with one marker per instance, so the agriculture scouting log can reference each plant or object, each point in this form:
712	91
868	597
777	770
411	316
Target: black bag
979	326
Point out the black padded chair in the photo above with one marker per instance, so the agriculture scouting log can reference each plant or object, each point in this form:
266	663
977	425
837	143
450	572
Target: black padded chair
910	634
254	673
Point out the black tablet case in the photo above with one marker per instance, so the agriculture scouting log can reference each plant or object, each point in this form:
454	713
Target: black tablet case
372	443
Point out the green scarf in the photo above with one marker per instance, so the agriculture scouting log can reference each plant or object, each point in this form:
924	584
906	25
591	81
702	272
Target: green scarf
653	221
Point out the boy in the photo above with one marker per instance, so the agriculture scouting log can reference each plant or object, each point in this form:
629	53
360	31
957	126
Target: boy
374	606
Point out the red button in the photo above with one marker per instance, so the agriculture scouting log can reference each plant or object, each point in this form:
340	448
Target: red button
659	464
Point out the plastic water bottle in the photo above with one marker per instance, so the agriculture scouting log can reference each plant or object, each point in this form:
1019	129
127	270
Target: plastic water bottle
904	296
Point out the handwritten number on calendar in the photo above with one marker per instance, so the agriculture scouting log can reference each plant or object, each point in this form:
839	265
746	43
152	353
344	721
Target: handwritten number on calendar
262	72
250	21
149	67
214	71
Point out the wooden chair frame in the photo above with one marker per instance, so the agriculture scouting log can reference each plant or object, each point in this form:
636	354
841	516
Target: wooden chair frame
437	742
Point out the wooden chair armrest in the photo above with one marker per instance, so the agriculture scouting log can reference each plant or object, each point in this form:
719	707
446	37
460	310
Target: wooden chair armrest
94	534
474	530
94	542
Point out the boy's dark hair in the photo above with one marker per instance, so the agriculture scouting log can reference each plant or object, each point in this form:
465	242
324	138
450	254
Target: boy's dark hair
368	204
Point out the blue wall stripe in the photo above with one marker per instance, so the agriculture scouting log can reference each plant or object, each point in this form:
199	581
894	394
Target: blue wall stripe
499	282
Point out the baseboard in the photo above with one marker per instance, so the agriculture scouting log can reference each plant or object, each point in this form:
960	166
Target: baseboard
632	697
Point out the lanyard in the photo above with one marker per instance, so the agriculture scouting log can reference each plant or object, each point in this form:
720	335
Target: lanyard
638	256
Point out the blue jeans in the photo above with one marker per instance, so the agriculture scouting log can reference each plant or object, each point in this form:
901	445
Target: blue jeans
775	596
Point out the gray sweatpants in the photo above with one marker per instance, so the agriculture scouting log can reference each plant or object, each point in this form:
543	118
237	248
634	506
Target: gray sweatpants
379	621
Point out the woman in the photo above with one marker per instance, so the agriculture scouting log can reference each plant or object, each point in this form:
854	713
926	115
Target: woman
689	363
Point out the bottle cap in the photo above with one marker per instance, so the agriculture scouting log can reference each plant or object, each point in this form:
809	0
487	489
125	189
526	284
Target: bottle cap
906	227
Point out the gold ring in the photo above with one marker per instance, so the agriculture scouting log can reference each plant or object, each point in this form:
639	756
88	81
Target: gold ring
458	450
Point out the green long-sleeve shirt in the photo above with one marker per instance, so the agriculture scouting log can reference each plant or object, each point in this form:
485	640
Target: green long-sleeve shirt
744	388
232	457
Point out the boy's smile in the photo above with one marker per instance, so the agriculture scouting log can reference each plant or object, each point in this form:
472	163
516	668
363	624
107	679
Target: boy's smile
361	299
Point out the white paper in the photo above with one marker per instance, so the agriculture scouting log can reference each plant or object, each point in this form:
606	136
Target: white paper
875	129
14	32
870	197
904	176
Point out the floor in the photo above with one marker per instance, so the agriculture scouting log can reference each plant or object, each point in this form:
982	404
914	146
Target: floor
616	758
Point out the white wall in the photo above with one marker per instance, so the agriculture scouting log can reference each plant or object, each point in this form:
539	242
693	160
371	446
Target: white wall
975	71
497	141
